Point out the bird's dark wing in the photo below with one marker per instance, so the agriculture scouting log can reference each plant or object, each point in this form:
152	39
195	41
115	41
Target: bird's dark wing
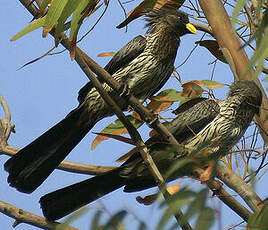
125	55
191	121
183	127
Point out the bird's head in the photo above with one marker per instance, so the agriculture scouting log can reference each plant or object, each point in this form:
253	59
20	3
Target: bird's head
168	18
249	91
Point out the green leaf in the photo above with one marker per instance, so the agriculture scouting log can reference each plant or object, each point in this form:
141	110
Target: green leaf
115	220
142	226
54	14
209	84
31	27
44	4
169	95
72	217
259	220
77	15
68	10
96	220
175	203
205	219
198	204
239	5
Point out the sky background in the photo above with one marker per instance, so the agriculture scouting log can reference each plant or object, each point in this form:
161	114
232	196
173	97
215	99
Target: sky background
43	93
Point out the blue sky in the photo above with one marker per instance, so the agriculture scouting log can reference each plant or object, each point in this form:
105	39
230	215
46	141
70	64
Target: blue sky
41	94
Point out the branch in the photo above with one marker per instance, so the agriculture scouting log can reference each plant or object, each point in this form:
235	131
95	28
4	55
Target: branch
22	216
240	187
65	165
227	39
217	188
203	27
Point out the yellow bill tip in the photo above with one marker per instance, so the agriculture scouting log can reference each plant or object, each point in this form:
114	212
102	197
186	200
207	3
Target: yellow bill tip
191	28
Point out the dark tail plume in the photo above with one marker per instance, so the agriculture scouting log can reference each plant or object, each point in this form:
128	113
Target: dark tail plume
35	162
62	202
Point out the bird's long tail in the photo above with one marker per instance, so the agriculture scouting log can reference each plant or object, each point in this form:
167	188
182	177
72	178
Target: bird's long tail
62	202
35	162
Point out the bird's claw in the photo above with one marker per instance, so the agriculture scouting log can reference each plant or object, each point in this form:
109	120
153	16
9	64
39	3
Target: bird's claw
152	121
124	90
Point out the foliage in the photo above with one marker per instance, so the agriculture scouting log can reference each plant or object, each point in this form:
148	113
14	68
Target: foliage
53	17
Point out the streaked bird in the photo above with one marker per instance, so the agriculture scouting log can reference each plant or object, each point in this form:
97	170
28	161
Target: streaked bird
218	123
144	65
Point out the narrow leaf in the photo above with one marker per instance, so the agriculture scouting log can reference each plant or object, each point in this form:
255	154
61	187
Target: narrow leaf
53	15
31	27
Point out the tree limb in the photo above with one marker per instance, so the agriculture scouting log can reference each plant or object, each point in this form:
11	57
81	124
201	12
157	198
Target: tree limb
240	187
22	216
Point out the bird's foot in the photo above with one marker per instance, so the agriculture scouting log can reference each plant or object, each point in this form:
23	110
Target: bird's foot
124	91
151	122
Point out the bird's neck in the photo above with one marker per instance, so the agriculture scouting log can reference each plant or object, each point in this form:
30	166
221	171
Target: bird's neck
238	109
163	44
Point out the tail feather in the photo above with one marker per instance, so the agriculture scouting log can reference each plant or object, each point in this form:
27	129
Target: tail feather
62	202
35	162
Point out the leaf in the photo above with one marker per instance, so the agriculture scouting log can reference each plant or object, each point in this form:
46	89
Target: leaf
74	216
164	100
174	205
261	53
137	12
173	189
191	89
31	27
96	220
45	4
53	15
76	18
240	4
117	137
213	47
37	59
115	220
209	84
142	226
68	10
115	128
106	54
147	200
198	204
126	156
146	5
205	219
259	220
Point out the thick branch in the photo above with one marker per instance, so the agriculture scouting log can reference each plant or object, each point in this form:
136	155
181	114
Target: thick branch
240	187
22	216
217	188
226	37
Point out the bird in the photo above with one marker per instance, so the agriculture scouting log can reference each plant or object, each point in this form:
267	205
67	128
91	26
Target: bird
216	123
143	65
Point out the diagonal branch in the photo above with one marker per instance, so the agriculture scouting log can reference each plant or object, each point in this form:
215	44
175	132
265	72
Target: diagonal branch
240	187
217	188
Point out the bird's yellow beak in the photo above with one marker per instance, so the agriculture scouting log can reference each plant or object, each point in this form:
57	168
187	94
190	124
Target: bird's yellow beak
191	28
